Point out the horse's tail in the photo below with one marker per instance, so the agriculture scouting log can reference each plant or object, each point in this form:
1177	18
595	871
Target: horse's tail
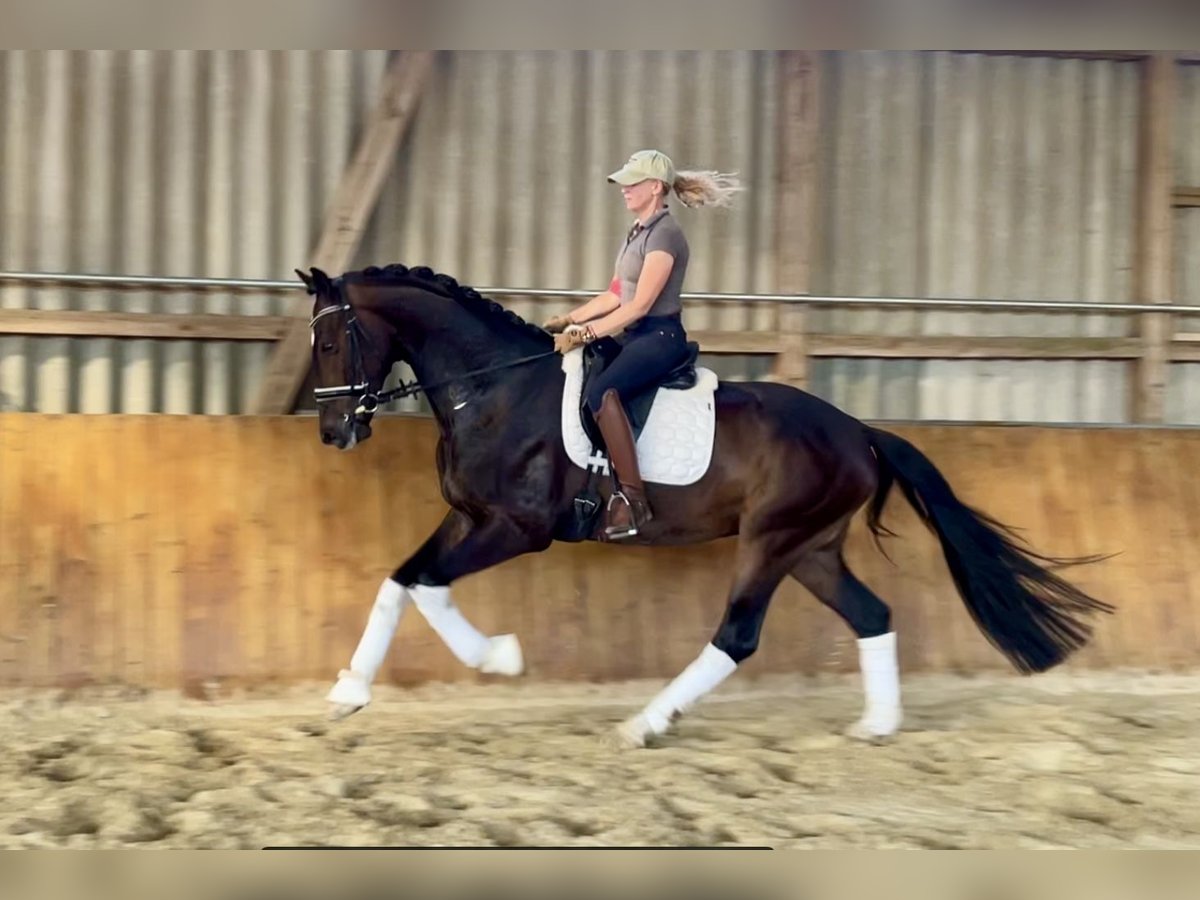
1032	616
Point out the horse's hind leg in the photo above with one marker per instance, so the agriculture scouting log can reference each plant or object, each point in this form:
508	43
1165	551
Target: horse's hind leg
824	573
762	563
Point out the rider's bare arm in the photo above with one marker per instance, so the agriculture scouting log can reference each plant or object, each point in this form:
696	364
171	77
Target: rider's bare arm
600	305
656	269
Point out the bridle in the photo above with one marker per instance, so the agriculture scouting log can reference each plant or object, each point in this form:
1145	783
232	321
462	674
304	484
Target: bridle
368	399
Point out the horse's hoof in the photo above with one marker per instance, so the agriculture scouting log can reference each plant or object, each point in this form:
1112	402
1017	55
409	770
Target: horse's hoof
615	739
504	656
629	735
350	694
869	733
339	711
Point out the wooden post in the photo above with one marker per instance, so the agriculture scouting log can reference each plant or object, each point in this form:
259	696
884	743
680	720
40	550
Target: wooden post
797	197
349	212
1152	268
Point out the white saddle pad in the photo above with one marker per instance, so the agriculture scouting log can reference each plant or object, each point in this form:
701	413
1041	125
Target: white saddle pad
676	445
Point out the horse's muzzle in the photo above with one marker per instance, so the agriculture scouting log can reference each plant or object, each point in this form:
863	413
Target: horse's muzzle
347	433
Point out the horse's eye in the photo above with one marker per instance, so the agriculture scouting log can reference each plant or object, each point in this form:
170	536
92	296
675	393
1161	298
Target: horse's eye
327	348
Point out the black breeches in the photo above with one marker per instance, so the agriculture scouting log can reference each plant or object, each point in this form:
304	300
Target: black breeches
651	348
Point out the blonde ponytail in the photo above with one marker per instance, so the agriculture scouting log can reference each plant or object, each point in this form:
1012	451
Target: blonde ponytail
697	189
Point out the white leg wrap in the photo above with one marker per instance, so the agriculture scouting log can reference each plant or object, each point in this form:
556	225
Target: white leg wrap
504	656
381	627
707	671
353	686
464	639
881	686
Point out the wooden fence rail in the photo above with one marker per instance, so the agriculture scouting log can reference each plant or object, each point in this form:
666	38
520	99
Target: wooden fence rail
176	551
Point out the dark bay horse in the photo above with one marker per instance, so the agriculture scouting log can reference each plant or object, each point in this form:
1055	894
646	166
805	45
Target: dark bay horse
788	472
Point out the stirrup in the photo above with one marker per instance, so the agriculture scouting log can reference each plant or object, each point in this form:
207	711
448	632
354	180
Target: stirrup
617	532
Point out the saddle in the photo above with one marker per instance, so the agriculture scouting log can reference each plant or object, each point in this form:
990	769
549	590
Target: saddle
673	420
598	354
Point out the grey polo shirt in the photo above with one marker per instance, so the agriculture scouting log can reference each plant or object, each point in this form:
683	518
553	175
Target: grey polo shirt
661	232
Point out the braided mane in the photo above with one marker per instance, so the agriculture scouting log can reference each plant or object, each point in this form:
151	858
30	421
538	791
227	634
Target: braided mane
467	297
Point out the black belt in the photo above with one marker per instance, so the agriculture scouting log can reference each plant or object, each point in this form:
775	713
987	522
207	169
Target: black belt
647	323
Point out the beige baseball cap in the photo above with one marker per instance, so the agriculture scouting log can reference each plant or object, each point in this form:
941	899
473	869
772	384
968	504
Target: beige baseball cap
643	165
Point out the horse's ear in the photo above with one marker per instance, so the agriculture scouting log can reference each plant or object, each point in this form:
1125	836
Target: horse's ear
323	283
308	282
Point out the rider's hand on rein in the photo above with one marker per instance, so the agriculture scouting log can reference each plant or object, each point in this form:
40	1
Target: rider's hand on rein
574	336
557	324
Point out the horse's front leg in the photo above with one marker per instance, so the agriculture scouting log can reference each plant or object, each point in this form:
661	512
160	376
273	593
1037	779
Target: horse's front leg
458	548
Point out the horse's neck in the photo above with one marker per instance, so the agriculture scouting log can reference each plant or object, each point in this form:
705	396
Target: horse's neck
445	350
471	406
434	336
443	343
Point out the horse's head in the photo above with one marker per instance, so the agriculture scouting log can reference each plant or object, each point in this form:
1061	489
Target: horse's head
349	360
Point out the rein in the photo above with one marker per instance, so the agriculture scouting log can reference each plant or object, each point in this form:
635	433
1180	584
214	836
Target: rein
368	400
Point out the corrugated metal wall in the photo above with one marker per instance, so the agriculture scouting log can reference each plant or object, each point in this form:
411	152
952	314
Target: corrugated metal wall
962	175
215	163
221	163
503	181
941	174
1183	388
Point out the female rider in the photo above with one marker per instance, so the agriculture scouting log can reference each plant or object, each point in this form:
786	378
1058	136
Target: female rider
641	311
